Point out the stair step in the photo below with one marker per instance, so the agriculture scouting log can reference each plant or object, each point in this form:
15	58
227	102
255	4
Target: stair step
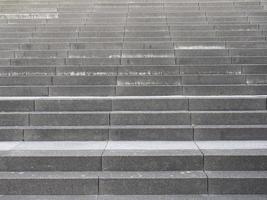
133	133
50	197
92	183
101	156
237	182
134	197
134	156
126	183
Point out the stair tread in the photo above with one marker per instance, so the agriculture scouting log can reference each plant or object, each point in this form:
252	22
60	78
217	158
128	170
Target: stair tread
133	197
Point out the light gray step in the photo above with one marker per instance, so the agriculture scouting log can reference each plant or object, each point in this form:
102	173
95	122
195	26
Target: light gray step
215	33
225	38
210	90
101	156
69	119
163	156
27	71
191	90
23	91
248	52
234	155
237	182
84	80
49	197
31	81
200	51
102	36
148	80
99	133
153	103
55	119
209	60
122	118
134	156
132	133
133	197
246	45
82	91
110	70
63	61
215	69
213	79
230	104
150	118
256	79
148	90
191	60
133	118
146	39
62	133
141	50
234	132
49	183
228	118
136	60
151	133
92	183
52	157
57	91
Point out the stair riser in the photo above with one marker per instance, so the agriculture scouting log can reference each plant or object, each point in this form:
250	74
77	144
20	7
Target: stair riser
49	186
105	163
133	163
133	118
235	163
237	186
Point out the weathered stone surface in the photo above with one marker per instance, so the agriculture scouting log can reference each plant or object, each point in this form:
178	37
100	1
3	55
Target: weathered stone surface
48	183
237	182
230	132
141	183
165	133
150	118
63	134
69	119
130	98
227	104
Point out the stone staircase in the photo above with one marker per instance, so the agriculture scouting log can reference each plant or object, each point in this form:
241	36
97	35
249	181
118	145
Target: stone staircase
133	99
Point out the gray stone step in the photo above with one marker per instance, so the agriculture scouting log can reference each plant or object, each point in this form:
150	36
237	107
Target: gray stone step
122	183
99	133
93	183
233	155
153	103
237	182
50	197
133	133
235	132
106	104
101	156
182	50
210	90
49	183
53	157
228	118
43	133
133	197
150	118
123	156
131	70
134	156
